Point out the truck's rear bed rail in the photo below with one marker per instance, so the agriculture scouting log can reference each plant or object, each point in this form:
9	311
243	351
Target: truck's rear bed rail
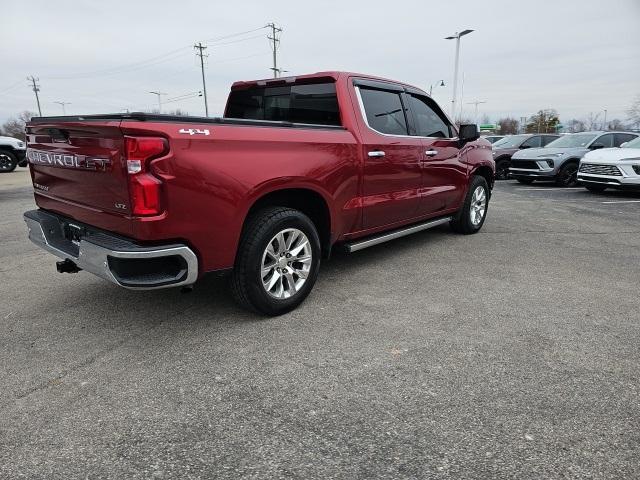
158	117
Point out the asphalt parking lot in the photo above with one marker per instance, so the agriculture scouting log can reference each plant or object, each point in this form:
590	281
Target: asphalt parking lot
513	353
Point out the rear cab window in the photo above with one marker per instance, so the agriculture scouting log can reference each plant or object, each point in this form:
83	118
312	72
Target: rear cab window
312	103
384	111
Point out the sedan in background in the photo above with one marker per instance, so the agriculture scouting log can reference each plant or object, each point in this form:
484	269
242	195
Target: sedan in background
559	160
505	148
611	168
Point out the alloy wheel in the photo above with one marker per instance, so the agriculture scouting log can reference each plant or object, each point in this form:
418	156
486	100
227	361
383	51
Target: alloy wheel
286	263
478	205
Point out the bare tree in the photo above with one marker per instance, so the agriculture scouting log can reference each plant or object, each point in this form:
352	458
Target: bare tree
574	126
14	127
485	119
463	121
616	124
634	113
508	126
592	122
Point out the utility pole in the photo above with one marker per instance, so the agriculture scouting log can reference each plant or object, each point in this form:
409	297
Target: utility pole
201	48
274	42
456	37
476	103
605	126
36	89
159	94
62	104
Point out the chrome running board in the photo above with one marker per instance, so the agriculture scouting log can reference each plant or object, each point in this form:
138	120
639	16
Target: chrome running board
387	236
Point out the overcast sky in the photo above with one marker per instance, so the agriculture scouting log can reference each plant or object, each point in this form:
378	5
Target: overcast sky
577	56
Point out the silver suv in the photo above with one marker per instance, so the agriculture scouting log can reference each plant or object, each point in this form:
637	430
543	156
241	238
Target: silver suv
559	160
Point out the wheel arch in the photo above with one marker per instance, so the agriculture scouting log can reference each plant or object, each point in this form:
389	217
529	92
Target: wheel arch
486	172
307	200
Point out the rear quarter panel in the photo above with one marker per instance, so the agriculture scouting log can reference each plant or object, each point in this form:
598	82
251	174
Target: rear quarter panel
211	182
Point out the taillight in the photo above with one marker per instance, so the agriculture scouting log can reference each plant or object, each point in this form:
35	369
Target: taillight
144	188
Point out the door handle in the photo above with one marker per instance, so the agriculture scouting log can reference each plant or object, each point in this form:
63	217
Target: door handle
431	153
376	153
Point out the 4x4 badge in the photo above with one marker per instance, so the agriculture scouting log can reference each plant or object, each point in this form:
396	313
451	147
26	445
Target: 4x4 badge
194	131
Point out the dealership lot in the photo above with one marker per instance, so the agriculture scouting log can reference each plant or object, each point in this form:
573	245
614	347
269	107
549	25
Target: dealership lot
511	353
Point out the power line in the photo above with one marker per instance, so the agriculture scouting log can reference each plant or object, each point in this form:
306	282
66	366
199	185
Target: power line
274	42
36	89
201	48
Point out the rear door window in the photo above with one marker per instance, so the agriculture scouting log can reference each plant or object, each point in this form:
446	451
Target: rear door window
548	139
621	138
315	103
384	111
429	122
606	140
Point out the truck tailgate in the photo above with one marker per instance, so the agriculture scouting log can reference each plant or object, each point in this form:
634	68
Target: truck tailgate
79	165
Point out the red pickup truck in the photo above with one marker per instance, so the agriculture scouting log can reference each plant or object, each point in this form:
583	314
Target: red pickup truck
295	167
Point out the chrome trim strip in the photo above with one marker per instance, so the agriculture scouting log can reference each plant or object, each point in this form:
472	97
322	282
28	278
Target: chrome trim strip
93	258
359	245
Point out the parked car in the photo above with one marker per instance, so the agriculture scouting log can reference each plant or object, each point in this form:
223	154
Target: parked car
493	138
296	167
505	148
12	154
559	160
611	168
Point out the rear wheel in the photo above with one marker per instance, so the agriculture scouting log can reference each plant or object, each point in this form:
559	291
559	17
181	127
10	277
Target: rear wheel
525	181
8	161
470	217
277	262
568	175
502	169
596	188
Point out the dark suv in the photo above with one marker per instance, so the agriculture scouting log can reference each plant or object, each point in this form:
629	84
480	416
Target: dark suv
504	148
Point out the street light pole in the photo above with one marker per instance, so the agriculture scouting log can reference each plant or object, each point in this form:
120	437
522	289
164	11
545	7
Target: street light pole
457	37
605	127
439	83
159	94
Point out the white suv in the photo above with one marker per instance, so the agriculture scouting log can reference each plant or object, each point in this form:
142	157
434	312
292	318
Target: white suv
611	167
12	154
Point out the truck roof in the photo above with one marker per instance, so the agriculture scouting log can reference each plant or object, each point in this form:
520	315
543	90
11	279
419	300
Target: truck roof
329	74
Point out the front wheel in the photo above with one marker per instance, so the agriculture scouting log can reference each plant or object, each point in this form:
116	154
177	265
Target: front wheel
8	162
470	217
277	262
502	169
568	175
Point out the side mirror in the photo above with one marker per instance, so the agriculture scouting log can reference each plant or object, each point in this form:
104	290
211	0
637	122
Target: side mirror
623	144
596	146
468	133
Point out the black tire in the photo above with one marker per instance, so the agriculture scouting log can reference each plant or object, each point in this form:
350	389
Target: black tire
596	188
525	181
8	161
23	163
462	222
568	175
246	280
502	168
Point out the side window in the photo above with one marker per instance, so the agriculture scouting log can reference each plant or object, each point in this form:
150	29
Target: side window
606	140
548	139
621	138
384	111
428	122
533	142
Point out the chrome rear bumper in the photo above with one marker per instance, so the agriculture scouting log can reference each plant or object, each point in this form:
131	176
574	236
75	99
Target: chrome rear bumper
111	257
